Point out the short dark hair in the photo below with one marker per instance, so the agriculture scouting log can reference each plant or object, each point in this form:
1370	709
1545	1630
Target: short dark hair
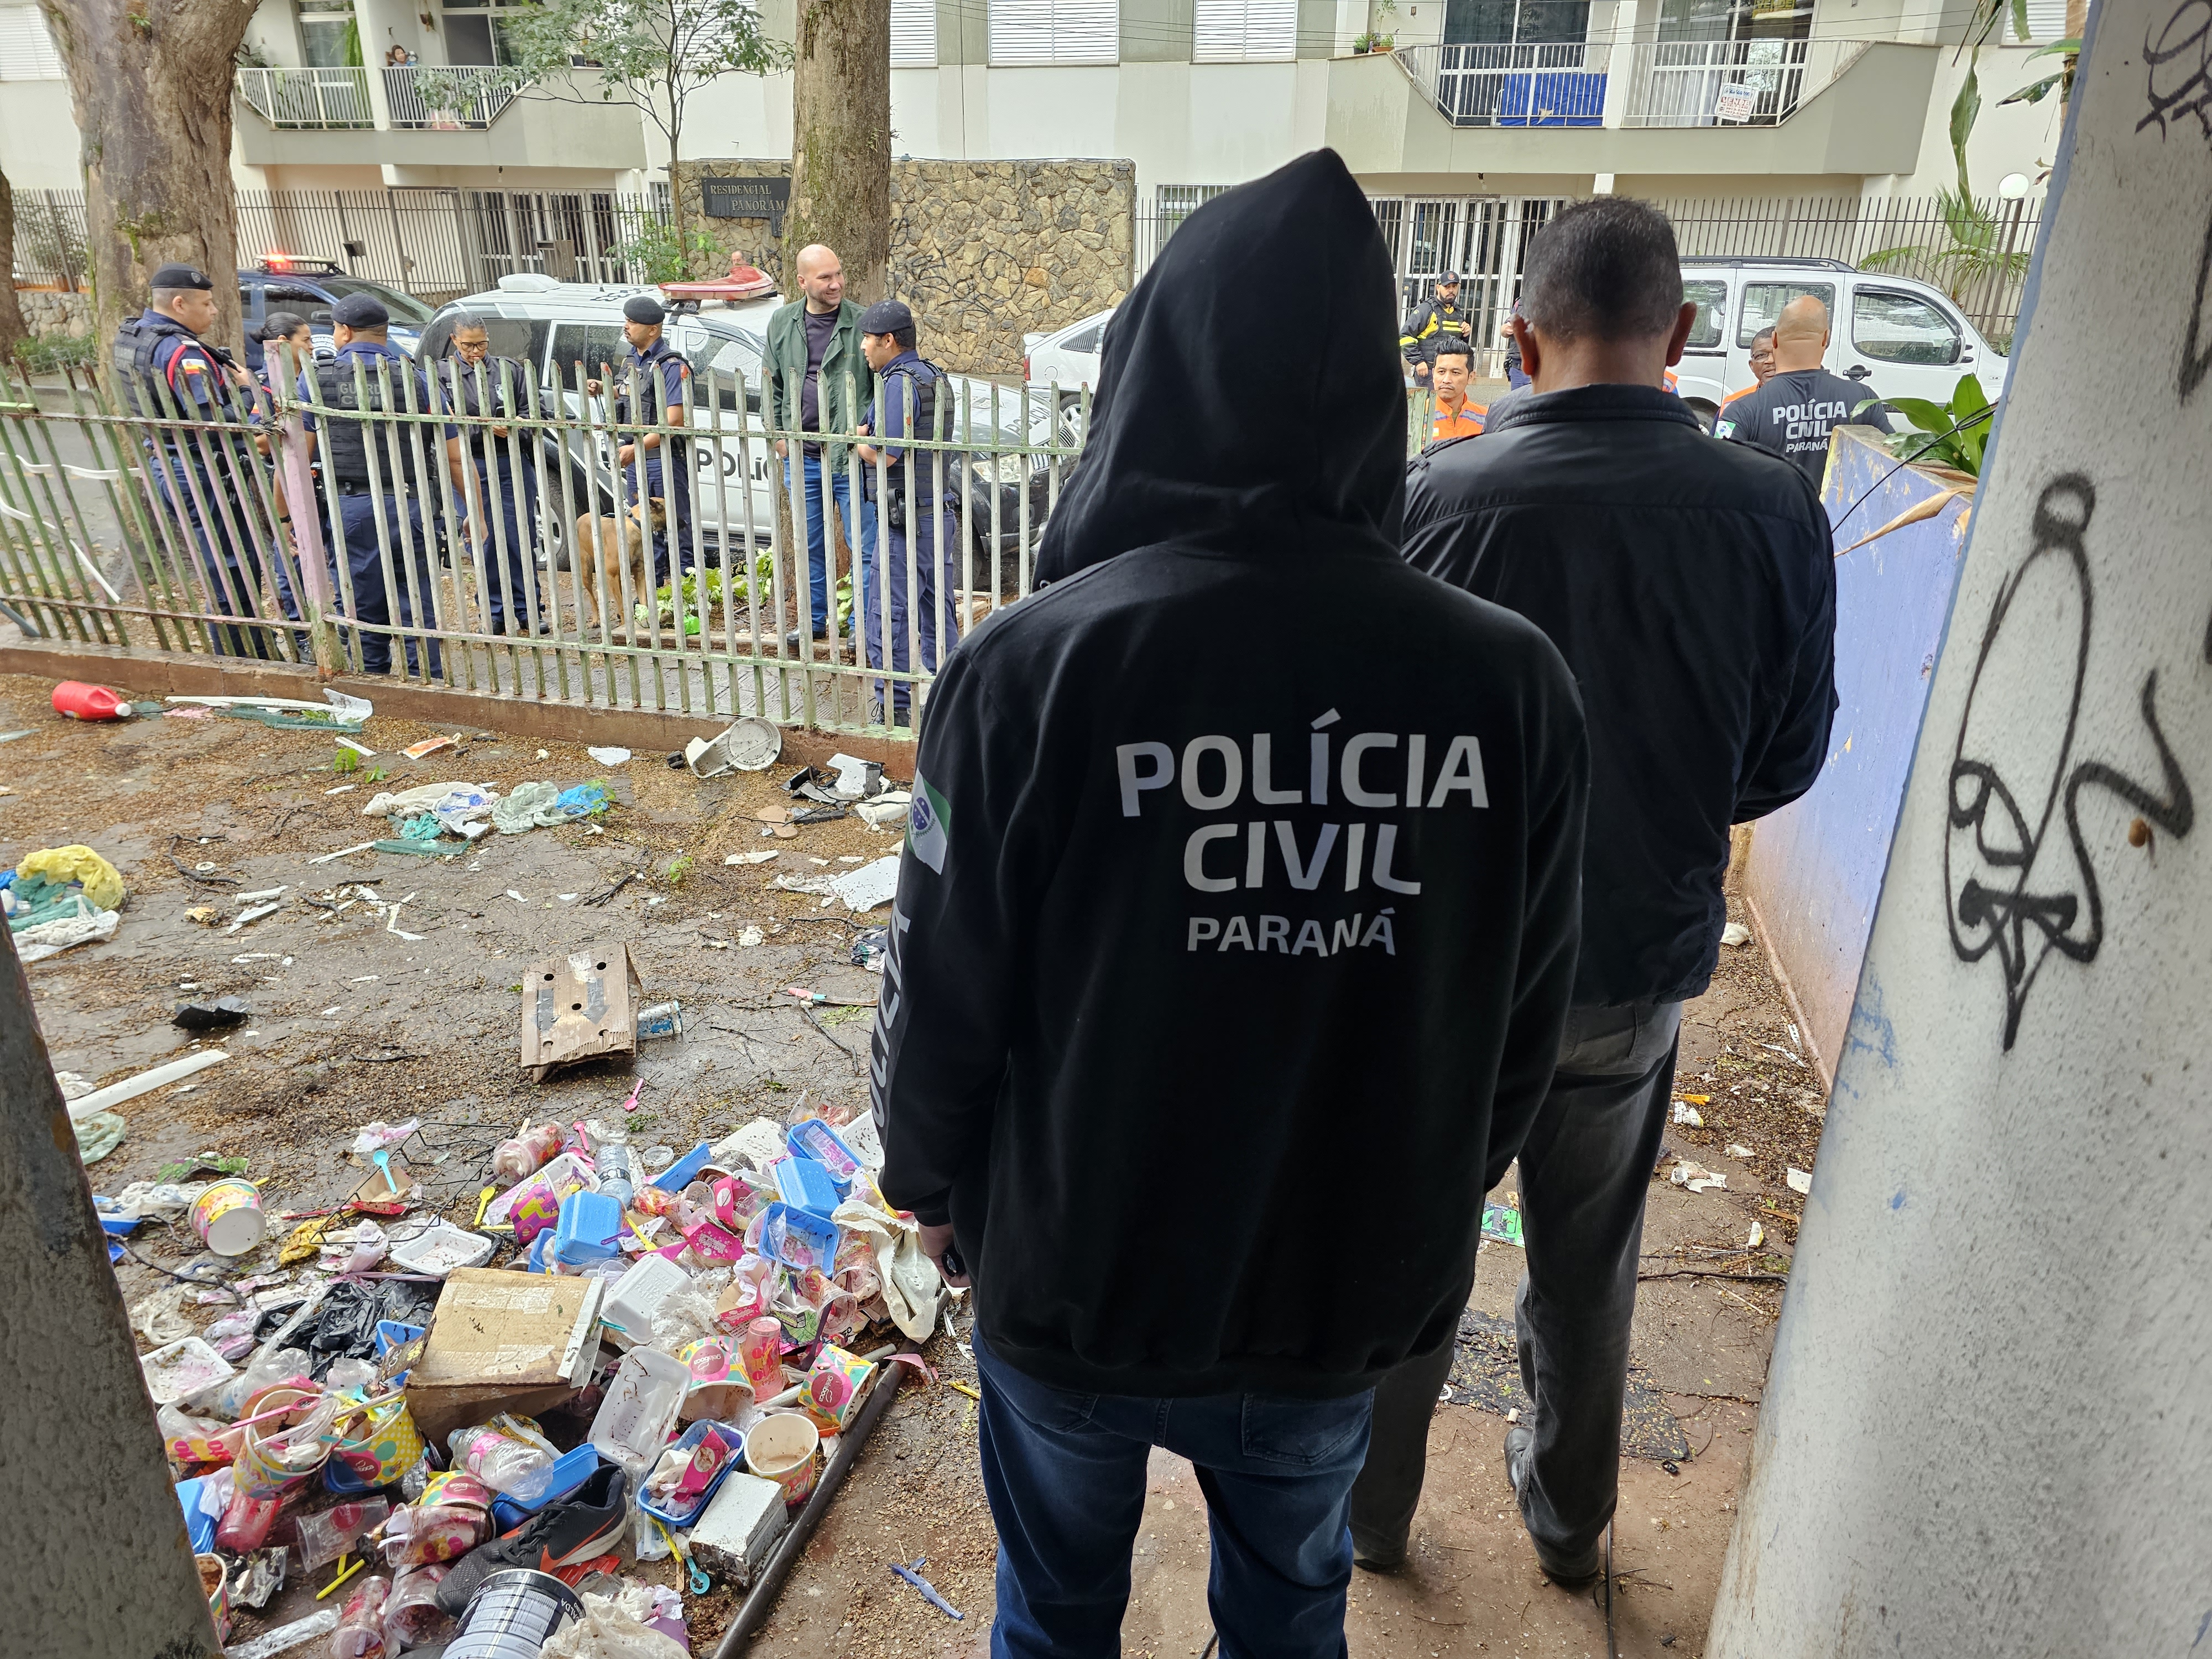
1607	270
905	336
1766	333
281	325
1454	345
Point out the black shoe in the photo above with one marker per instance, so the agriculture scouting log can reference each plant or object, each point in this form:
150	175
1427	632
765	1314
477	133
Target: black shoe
1574	1574
587	1524
1377	1560
792	638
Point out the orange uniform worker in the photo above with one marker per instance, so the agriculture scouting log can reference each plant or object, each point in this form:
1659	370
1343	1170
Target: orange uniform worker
1762	364
1455	417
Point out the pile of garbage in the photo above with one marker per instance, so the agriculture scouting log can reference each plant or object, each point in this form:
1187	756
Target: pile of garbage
59	897
468	812
665	1364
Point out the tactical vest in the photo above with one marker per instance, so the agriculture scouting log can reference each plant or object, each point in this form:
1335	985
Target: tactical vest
920	464
346	442
132	357
458	387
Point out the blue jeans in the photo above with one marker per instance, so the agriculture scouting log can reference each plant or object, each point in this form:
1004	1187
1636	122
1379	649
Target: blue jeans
1065	1473
508	502
244	579
401	517
862	535
936	583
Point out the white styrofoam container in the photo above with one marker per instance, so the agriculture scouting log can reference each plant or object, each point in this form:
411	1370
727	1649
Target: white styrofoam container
734	1537
442	1248
632	1299
641	1408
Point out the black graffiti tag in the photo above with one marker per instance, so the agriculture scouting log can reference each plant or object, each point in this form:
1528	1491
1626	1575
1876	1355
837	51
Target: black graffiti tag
2008	890
2179	56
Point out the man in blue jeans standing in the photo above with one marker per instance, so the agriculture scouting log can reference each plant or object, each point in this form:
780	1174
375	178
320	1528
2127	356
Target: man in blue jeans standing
1185	939
817	381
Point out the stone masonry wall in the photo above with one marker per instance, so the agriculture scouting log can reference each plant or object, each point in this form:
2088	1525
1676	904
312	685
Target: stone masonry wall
984	252
48	311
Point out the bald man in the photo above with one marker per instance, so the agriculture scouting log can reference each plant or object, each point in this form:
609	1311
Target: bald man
818	383
1791	413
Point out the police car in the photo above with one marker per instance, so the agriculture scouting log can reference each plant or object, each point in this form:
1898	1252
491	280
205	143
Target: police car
554	326
309	288
1903	338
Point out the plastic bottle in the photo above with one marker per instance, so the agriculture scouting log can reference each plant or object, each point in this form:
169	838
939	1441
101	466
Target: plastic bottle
500	1461
618	1171
526	1152
81	702
360	1634
245	1524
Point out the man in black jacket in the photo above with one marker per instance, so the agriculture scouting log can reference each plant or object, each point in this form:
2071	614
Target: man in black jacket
1188	936
1691	587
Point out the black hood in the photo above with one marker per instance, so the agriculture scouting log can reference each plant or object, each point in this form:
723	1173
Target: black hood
1251	395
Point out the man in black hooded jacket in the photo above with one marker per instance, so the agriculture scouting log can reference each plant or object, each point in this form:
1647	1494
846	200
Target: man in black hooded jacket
1225	972
1691	587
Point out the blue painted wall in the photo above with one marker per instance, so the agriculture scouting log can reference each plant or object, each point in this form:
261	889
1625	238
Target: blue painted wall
1815	867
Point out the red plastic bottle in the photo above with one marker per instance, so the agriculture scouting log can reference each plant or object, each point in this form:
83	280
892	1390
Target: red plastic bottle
244	1525
81	702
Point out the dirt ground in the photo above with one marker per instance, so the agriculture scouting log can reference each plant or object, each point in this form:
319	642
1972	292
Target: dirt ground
352	1021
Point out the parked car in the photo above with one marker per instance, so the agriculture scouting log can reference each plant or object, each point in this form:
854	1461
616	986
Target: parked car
554	326
1903	338
1067	357
311	287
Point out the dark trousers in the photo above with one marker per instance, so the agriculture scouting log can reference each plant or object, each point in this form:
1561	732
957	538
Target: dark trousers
670	485
1065	1473
936	585
400	519
508	501
1584	1170
244	578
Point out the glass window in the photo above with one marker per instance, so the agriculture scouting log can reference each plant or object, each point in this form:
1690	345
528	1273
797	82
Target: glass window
601	347
1712	300
405	308
1084	340
1762	303
1902	328
717	360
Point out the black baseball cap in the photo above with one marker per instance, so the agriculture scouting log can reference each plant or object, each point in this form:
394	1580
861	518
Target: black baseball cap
174	275
886	317
1449	279
644	308
360	311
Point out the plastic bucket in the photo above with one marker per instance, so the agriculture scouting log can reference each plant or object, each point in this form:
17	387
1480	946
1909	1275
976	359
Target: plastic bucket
781	1448
513	1615
228	1217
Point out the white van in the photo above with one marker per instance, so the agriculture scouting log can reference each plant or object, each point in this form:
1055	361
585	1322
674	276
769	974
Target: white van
1903	338
554	326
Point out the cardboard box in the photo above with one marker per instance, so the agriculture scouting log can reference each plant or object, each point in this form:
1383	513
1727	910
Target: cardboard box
504	1341
735	1535
579	1006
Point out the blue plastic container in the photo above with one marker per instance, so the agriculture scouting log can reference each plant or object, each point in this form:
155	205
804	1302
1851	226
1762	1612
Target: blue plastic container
590	1229
807	1185
682	1173
677	1519
797	1239
816	1140
574	1468
199	1526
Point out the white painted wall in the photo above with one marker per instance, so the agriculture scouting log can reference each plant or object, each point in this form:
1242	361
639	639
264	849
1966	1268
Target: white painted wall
1985	1431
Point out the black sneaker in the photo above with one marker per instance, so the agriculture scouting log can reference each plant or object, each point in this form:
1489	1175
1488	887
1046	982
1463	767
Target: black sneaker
1578	1574
587	1524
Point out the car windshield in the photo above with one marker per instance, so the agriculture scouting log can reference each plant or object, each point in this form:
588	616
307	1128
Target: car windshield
405	307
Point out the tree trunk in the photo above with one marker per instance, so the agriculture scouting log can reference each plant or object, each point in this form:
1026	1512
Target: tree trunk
150	80
2077	24
841	141
12	332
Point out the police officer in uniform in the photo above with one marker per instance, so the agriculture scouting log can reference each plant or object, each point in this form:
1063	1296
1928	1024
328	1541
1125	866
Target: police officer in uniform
1439	315
472	381
925	480
164	370
381	470
655	373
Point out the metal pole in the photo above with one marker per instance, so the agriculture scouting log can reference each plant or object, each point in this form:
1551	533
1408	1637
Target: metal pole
762	1602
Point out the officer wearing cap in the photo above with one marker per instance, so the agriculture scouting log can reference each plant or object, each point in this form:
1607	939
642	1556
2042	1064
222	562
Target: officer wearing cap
499	505
650	390
165	371
381	472
1439	315
904	487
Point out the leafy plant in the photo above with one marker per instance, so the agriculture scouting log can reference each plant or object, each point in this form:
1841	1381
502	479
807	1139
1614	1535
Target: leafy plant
666	252
376	775
1952	434
1975	252
345	761
678	870
47	354
2062	81
1362	43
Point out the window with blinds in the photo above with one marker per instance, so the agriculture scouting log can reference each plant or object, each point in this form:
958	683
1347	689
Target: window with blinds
27	50
913	33
1245	31
2046	22
1055	32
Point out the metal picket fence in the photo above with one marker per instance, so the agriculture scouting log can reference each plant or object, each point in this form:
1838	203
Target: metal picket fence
534	551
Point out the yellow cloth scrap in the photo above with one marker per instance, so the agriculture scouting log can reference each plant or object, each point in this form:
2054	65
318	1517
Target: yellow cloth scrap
103	886
307	1240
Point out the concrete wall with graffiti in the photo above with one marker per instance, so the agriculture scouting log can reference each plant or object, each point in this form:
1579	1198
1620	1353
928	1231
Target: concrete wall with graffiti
1986	1430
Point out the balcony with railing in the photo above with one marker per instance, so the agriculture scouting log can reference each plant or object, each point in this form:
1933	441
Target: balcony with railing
308	98
457	98
1664	83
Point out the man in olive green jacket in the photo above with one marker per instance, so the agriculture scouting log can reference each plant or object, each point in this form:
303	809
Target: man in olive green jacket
818	382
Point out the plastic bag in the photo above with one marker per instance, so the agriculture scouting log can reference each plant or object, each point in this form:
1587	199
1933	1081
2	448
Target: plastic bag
102	885
325	1537
607	1632
912	1287
283	1365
